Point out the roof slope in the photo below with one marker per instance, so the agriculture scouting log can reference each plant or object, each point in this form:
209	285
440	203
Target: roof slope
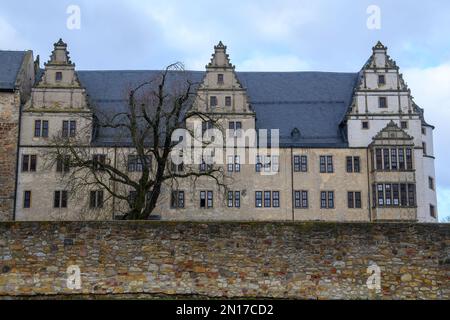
313	102
11	62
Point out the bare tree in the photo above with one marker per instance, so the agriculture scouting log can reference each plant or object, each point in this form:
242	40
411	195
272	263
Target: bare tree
155	109
445	219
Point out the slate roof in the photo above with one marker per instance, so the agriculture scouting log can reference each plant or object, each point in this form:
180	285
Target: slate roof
313	102
10	64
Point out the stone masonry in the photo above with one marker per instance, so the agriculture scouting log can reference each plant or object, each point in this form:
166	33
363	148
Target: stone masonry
9	128
282	260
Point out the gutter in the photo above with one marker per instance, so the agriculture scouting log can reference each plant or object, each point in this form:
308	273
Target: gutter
19	130
292	185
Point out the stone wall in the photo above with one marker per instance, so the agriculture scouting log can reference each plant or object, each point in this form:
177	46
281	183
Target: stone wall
280	260
9	129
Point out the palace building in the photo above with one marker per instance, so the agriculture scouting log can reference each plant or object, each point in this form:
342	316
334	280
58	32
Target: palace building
353	146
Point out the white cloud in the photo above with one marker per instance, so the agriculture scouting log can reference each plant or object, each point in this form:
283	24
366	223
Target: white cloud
9	37
279	22
273	63
431	89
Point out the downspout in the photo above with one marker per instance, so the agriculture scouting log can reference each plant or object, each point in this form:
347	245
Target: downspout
16	183
114	186
369	194
292	184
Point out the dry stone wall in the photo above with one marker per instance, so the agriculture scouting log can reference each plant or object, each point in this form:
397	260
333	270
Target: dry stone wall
246	259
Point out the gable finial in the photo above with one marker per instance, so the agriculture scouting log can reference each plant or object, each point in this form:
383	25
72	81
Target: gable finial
379	46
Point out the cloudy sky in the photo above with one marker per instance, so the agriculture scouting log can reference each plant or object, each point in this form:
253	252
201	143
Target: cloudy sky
283	35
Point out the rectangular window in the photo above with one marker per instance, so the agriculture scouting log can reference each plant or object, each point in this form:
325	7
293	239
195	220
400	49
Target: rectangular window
136	165
305	203
409	160
323	200
180	199
330	164
27	199
228	101
237	199
258	165
72	128
204	167
276	199
379	159
267	200
431	183
220	78
65	129
403	195
358	202
206	125
404	125
380	189
210	199
177	168
349	164
202	199
395	195
424	131
365	125
177	200
63	164
60	199
424	146
25	163
394	164
374	195
213	101
275	164
235	128
45	129
297	164
98	161
37	128
230	165
230	199
58	76
96	199
304	160
323	167
350	200
29	163
357	164
388	189
382	102
237	164
401	159
258	199
412	195
301	199
300	163
432	211
330	199
387	162
297	199
381	80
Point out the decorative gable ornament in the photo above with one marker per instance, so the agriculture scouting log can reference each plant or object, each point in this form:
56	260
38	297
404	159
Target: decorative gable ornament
220	58
392	134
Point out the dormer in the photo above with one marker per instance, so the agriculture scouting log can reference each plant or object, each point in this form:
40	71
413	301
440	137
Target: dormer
59	88
59	70
221	91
